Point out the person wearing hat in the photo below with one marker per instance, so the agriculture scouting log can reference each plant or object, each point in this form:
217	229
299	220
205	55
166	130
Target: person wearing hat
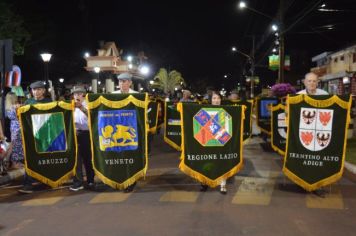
38	90
83	138
125	82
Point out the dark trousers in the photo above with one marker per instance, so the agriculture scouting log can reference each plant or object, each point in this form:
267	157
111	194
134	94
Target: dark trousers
84	156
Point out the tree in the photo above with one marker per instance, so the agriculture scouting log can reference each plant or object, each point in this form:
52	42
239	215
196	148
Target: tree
168	81
11	27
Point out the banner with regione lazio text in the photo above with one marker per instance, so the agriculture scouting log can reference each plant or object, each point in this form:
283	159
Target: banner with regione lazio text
316	139
118	131
49	141
172	122
211	141
263	108
279	128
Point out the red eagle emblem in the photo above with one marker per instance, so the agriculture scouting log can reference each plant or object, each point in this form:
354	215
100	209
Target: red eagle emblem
307	137
324	117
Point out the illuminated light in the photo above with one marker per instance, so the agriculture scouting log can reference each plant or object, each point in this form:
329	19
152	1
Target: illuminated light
46	57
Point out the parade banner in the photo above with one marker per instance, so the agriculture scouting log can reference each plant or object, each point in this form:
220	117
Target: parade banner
279	129
172	131
152	116
212	141
161	112
263	107
247	131
49	141
316	139
118	133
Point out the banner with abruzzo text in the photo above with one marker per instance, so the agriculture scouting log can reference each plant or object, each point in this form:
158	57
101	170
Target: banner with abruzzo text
49	141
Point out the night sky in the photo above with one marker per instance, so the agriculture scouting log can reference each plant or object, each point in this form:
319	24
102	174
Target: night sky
193	37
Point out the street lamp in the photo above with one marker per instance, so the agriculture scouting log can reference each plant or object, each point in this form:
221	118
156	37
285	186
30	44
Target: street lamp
86	54
145	70
94	82
252	69
46	57
275	28
61	80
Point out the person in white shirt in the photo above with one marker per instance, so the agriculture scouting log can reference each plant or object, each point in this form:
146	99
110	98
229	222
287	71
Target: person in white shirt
125	82
83	138
311	85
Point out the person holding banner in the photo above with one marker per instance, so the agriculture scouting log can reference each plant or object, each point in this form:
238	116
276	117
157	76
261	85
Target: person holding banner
311	81
38	90
125	82
216	100
311	85
83	138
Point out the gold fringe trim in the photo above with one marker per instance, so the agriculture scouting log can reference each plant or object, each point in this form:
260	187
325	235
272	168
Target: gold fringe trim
335	177
311	187
171	143
318	103
46	106
198	176
275	148
116	104
47	181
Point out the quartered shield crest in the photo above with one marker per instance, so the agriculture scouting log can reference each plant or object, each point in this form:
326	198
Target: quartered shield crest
315	128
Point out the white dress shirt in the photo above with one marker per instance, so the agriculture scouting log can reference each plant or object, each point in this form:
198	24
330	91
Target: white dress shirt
80	118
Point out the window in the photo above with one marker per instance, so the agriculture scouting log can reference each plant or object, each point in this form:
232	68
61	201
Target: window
342	58
354	57
335	59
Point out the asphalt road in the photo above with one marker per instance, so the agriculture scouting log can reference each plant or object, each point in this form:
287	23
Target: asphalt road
260	201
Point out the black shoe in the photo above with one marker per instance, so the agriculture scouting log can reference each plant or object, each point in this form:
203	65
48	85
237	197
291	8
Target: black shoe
320	193
76	187
91	186
26	189
130	188
203	188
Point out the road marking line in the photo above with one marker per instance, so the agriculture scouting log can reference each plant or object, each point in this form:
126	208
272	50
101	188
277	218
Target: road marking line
332	200
110	198
254	191
42	201
179	196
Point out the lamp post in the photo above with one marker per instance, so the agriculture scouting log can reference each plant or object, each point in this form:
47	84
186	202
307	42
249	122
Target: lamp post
252	62
94	82
46	57
279	27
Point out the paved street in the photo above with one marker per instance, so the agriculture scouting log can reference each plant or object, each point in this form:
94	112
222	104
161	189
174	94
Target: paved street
260	201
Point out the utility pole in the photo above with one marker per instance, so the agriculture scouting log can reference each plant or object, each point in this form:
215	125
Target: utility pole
252	61
281	43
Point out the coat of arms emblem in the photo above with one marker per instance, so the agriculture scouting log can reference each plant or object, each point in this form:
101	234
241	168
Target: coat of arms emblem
315	128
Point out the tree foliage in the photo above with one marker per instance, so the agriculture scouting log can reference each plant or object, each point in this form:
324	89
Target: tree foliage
12	27
168	81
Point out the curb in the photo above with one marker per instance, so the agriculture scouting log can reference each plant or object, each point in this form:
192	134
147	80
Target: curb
350	171
11	175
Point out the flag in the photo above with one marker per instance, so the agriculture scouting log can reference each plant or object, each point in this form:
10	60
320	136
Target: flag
279	128
211	141
172	132
263	107
49	141
118	132
316	139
